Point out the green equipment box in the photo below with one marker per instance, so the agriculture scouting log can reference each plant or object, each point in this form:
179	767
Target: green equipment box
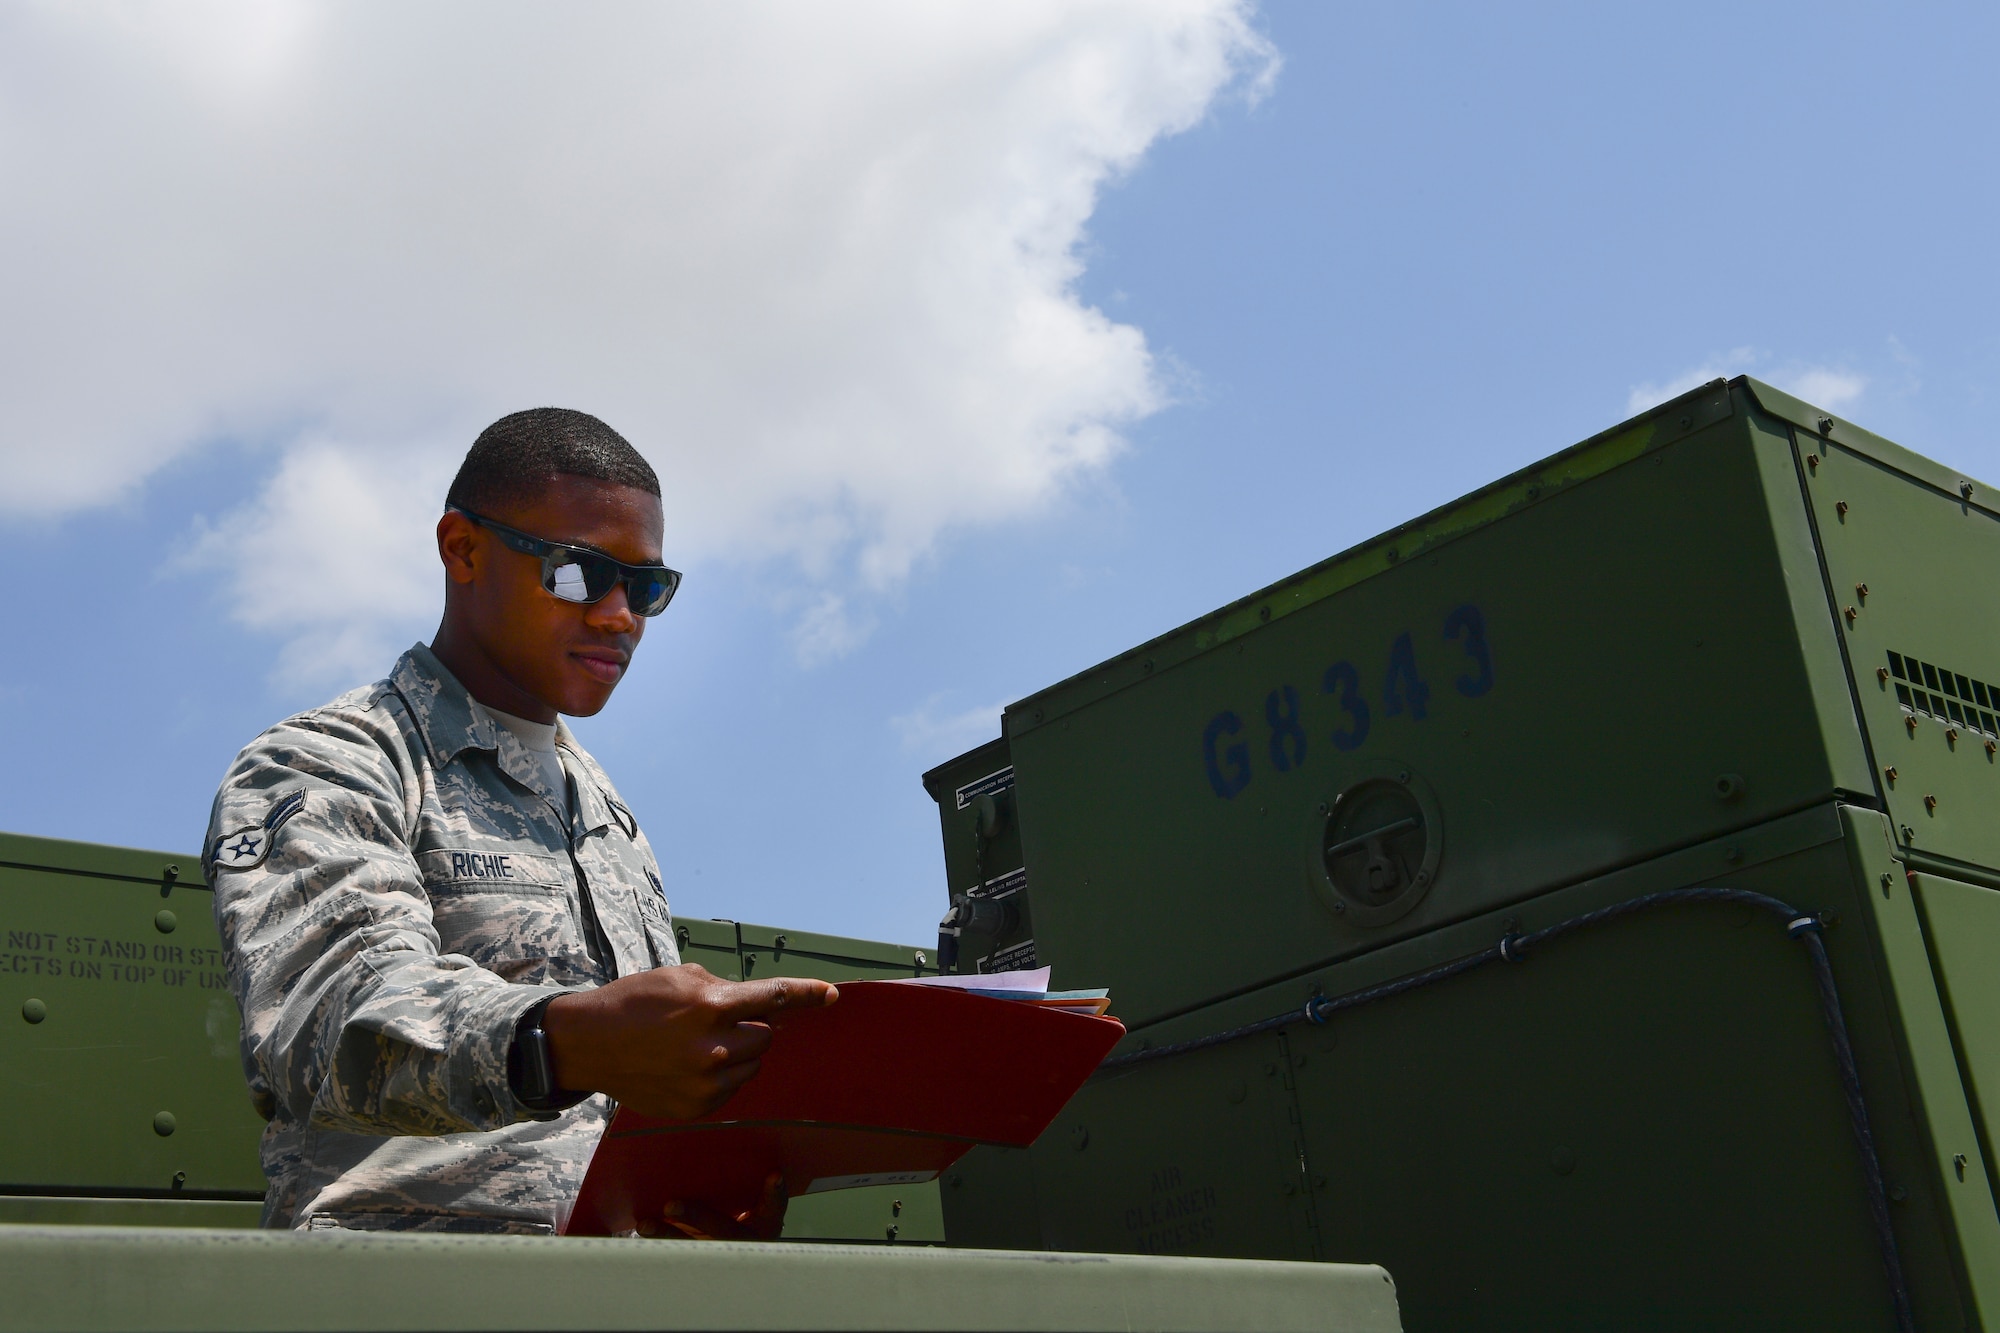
1734	644
118	1035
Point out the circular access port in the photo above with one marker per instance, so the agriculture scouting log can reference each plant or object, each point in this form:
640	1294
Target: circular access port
1377	848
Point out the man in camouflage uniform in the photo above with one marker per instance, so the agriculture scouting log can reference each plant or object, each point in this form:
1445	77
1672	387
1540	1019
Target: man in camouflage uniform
445	930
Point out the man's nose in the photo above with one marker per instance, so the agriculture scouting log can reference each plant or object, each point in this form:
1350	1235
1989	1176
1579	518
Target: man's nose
612	613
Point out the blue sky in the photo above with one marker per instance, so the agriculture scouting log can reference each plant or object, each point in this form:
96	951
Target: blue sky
1435	243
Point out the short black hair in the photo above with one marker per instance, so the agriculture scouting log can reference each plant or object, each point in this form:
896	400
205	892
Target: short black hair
517	456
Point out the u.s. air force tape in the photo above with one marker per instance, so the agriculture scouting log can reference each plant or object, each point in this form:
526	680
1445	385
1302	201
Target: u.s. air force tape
249	846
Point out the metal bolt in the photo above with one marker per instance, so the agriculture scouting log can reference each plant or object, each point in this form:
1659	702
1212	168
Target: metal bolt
921	958
1080	1136
1339	906
1951	735
1882	674
1898	1193
1732	854
1991	747
1890	772
1812	462
1930	802
1270	1069
1965	489
1861	591
180	1179
1264	612
1826	425
1910	721
33	1011
777	942
895	1207
1850	613
1958	1164
893	1232
1288	1187
1887	880
1840	508
1147	666
1909	834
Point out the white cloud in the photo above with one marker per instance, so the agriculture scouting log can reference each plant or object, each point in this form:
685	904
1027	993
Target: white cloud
1822	386
816	261
938	735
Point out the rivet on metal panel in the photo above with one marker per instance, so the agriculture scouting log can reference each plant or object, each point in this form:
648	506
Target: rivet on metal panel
1990	748
180	1179
164	921
1861	591
1965	489
955	1180
1850	613
1910	721
1826	425
1909	834
1898	1194
1958	1164
1403	776
1888	880
1080	1138
34	1011
1237	1092
922	958
1395	555
895	1207
1930	802
1147	666
1562	1161
1951	737
1264	612
1732	854
1812	463
1729	787
1882	674
163	1123
893	1232
1890	773
167	879
777	945
1840	509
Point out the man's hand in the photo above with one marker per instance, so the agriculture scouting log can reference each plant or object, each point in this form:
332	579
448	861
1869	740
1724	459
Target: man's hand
675	1042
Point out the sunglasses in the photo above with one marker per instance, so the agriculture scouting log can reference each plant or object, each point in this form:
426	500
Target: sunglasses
579	574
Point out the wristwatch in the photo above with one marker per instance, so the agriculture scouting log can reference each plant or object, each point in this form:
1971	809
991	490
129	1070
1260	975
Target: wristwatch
530	1071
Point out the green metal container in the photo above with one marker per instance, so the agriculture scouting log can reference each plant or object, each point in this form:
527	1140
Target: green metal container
1734	642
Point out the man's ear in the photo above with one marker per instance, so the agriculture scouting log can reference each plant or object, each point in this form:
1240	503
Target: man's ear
459	547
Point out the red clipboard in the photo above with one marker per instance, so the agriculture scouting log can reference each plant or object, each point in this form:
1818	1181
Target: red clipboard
891	1084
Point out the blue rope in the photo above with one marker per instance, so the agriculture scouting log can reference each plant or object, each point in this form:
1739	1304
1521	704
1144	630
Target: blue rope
1514	947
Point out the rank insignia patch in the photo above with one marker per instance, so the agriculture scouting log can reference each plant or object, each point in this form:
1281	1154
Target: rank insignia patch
238	851
248	847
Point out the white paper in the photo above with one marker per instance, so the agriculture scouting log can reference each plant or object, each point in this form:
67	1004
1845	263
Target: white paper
1036	979
825	1183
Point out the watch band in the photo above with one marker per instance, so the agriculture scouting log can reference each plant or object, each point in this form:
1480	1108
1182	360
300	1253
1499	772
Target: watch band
530	1071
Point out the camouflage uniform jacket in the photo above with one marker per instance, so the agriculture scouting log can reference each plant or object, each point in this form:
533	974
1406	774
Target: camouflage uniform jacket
395	884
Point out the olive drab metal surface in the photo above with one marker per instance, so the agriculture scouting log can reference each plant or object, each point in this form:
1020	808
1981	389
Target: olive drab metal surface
118	1035
1734	643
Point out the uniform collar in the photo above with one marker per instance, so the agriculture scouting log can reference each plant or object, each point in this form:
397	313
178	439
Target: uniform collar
445	713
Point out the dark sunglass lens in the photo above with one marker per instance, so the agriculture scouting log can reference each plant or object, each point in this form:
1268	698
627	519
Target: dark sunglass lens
650	594
578	576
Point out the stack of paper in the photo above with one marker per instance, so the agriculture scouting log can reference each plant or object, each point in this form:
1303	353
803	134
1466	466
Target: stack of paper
1029	987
